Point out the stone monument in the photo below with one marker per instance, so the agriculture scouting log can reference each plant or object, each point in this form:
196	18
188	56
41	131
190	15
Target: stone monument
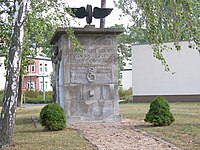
86	82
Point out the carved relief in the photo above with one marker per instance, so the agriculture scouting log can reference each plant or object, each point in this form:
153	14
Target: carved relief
57	55
90	75
98	74
56	58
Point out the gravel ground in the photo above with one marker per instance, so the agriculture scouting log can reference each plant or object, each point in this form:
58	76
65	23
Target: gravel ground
121	136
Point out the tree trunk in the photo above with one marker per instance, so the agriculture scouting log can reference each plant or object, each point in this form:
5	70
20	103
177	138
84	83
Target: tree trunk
54	83
102	21
8	113
20	94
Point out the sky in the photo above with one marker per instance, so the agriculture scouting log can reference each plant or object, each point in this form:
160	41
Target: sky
111	20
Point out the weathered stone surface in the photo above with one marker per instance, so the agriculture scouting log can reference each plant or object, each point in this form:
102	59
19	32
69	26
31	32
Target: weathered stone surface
87	81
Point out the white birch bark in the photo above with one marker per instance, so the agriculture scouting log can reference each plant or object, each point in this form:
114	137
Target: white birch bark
8	113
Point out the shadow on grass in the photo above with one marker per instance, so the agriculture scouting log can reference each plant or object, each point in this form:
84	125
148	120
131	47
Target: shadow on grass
188	124
23	121
148	125
143	126
33	131
173	126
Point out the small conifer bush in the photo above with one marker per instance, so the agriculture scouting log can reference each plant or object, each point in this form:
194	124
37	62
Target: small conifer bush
159	113
52	117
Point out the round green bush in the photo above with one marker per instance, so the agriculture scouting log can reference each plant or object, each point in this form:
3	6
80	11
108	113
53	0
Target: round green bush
52	117
159	113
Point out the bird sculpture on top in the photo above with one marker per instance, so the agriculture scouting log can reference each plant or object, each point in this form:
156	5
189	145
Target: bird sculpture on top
97	13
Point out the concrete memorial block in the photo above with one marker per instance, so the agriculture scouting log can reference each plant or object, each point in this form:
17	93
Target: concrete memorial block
87	81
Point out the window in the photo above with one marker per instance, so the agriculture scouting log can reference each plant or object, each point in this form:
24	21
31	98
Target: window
41	86
45	67
31	85
120	75
40	67
28	68
46	85
33	68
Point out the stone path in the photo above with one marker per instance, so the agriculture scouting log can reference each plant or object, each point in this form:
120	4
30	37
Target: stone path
121	136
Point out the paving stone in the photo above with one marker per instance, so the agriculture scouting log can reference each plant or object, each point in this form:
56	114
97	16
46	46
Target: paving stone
121	136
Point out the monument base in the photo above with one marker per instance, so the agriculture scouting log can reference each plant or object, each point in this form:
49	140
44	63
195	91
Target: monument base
78	119
87	81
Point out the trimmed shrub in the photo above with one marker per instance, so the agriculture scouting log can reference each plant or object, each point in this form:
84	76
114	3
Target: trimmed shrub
52	117
159	113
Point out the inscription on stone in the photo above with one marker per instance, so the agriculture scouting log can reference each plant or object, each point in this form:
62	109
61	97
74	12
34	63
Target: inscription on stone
96	56
93	65
98	75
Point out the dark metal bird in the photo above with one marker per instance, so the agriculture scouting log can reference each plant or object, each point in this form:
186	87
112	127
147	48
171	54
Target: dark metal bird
97	13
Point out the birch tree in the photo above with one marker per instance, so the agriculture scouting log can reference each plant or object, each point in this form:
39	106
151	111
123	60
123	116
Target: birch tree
12	75
43	17
165	21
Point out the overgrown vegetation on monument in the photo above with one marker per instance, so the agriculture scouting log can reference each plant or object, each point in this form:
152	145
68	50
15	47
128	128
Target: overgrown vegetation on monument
52	117
159	113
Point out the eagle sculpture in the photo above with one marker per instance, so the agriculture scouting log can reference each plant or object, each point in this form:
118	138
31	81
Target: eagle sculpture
87	12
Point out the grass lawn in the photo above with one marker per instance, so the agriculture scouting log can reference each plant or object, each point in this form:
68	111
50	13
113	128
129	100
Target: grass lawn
184	132
27	137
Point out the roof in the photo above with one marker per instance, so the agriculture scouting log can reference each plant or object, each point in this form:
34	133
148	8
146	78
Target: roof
86	30
40	58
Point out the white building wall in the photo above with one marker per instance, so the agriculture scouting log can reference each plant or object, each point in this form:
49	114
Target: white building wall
126	78
45	69
149	77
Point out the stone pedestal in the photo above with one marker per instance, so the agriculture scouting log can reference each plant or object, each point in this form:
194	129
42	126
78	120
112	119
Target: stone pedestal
87	81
